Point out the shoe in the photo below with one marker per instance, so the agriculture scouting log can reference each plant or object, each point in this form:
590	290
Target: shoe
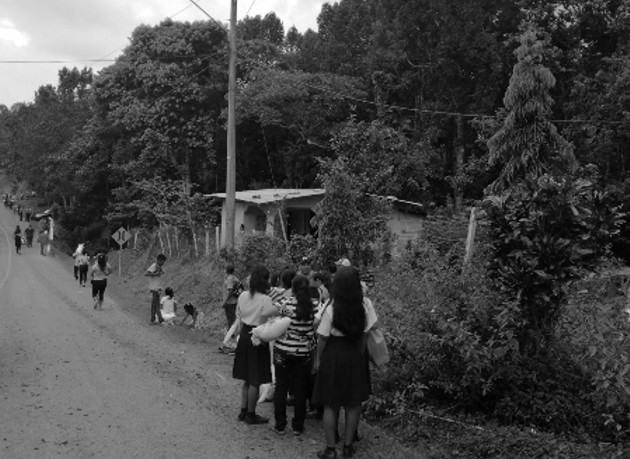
255	419
279	430
328	453
229	350
348	451
297	432
242	415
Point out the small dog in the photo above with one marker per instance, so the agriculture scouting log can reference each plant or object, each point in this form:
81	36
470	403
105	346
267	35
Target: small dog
191	311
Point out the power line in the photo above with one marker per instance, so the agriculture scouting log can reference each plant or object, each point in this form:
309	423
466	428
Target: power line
207	14
56	62
250	8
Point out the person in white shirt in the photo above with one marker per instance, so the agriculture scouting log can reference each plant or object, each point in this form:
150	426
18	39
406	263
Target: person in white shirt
83	261
154	272
252	364
100	271
168	305
342	379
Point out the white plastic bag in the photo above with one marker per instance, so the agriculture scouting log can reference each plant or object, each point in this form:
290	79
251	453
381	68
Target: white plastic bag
271	330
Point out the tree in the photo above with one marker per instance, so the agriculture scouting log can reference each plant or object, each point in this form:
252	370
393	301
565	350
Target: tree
383	159
349	220
528	144
161	101
286	119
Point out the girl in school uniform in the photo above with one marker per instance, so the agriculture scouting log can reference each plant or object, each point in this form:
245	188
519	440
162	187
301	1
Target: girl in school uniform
252	364
342	379
292	355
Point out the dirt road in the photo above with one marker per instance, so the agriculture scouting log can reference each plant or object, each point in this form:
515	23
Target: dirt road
80	383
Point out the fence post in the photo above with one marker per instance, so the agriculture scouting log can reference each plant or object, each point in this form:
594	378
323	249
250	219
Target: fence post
470	237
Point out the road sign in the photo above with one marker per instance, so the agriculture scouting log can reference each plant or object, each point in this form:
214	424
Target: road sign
121	236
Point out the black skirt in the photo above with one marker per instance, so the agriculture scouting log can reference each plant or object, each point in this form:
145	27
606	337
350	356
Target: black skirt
252	364
343	378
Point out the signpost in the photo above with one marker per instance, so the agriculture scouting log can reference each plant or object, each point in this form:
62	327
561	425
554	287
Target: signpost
120	236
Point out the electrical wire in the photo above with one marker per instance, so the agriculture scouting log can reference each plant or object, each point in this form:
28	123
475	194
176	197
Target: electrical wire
207	14
250	8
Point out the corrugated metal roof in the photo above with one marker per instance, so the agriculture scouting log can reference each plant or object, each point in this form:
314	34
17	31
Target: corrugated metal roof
269	195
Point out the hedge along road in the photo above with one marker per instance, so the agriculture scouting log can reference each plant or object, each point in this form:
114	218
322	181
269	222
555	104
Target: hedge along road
80	383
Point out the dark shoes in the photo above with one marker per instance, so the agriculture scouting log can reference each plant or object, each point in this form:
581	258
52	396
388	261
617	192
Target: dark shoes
254	419
348	451
328	453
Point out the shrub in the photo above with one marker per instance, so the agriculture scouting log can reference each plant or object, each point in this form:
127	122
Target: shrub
262	248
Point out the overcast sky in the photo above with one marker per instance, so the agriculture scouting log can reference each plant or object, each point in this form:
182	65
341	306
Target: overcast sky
77	31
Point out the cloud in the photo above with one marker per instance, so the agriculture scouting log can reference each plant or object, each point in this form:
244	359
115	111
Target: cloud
8	33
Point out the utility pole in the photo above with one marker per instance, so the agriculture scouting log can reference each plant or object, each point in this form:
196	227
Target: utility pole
230	185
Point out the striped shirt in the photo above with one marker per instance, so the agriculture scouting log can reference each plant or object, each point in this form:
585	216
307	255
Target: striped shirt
300	337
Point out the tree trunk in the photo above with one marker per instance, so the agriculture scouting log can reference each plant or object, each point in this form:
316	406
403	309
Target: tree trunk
168	242
176	231
159	235
207	228
458	175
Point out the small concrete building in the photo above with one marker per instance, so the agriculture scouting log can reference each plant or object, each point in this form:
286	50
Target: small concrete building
260	210
406	222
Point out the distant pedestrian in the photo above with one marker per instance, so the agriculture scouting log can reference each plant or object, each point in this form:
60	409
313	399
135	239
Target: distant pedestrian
84	265
43	242
252	364
29	233
232	287
17	235
75	255
100	271
154	272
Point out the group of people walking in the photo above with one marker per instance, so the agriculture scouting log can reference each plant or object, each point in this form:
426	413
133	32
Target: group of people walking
23	212
320	360
26	238
99	271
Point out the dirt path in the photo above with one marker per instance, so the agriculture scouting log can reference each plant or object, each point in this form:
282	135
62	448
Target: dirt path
80	383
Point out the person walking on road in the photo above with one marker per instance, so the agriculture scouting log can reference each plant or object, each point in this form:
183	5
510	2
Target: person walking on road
84	266
17	235
154	272
100	271
43	242
29	232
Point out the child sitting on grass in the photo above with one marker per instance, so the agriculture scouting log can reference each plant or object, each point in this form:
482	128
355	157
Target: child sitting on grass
168	306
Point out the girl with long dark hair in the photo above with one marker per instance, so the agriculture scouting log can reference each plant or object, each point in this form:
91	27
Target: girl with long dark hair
342	379
252	364
100	271
292	355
